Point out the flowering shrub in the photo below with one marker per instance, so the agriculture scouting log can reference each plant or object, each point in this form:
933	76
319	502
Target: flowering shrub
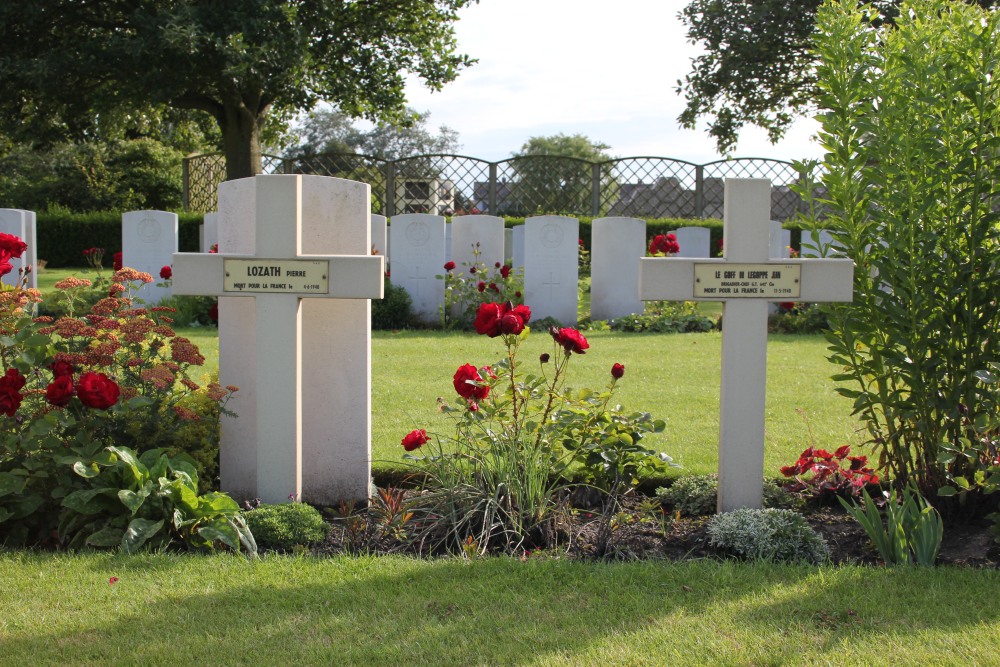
517	435
836	474
80	398
465	291
664	245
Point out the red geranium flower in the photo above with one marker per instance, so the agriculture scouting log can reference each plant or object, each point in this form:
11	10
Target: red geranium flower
571	339
415	439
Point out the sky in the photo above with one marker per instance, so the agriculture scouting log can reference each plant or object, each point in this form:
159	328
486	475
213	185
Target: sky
606	70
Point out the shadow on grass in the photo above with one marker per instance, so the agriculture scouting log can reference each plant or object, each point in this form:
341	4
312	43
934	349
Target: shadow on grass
395	611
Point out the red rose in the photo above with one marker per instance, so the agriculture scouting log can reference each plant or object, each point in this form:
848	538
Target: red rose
60	391
10	246
472	269
415	439
496	265
465	381
214	249
505	271
481	286
493	286
117	262
61	368
617	371
487	321
571	339
511	324
11	385
213	312
543	358
166	273
448	266
96	390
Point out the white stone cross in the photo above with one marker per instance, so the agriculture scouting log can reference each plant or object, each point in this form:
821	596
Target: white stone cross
294	275
744	280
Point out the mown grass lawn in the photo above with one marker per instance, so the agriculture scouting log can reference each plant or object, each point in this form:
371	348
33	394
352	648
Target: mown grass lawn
169	609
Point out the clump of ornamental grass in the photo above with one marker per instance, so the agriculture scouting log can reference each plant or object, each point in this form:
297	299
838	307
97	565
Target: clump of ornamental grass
516	434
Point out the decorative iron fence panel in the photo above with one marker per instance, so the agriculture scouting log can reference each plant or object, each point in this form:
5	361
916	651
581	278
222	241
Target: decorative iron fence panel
642	187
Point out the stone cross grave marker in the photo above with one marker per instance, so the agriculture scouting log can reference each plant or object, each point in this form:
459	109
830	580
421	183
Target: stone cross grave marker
744	280
294	275
21	224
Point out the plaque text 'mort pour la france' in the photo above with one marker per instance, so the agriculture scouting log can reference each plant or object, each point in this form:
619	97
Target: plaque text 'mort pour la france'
763	281
276	275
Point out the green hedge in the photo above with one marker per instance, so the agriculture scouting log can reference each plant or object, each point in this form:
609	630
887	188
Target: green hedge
63	236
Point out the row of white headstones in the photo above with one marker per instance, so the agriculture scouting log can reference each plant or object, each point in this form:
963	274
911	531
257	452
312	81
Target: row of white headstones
295	277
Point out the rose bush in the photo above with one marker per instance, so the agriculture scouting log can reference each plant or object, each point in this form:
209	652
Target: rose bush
80	397
518	438
464	293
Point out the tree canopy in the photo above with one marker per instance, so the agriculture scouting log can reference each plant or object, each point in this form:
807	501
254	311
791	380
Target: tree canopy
758	64
332	131
68	65
556	173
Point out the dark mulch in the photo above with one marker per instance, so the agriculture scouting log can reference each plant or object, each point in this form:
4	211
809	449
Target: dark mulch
640	533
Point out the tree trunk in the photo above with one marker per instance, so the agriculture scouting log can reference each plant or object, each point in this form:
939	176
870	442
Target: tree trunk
241	139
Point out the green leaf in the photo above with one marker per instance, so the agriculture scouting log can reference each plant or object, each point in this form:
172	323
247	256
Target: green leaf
86	501
138	532
106	537
222	530
946	491
86	470
11	483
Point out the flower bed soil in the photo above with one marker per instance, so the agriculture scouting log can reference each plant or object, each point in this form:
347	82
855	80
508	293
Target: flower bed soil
641	534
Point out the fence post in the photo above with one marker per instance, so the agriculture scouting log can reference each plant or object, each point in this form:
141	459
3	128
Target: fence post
491	190
595	190
699	191
390	189
186	184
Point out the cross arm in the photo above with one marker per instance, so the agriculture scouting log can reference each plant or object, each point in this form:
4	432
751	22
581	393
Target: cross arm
350	276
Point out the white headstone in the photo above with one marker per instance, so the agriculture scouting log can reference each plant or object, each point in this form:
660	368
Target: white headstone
380	238
817	244
297	346
416	241
149	241
209	232
508	244
517	253
694	242
744	280
551	267
781	241
467	231
617	244
21	224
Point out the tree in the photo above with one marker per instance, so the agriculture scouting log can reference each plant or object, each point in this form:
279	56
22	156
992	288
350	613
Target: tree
555	174
758	67
331	131
240	61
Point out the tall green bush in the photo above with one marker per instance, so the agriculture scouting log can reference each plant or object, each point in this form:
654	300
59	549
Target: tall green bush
910	121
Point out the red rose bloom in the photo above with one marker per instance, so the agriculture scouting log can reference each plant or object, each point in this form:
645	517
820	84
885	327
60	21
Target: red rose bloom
166	273
60	391
481	286
117	262
448	266
511	324
664	243
96	390
465	381
505	271
61	368
10	246
415	439
617	371
11	385
487	322
571	340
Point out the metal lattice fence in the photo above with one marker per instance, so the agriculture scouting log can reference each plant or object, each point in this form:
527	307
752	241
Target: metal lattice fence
645	187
